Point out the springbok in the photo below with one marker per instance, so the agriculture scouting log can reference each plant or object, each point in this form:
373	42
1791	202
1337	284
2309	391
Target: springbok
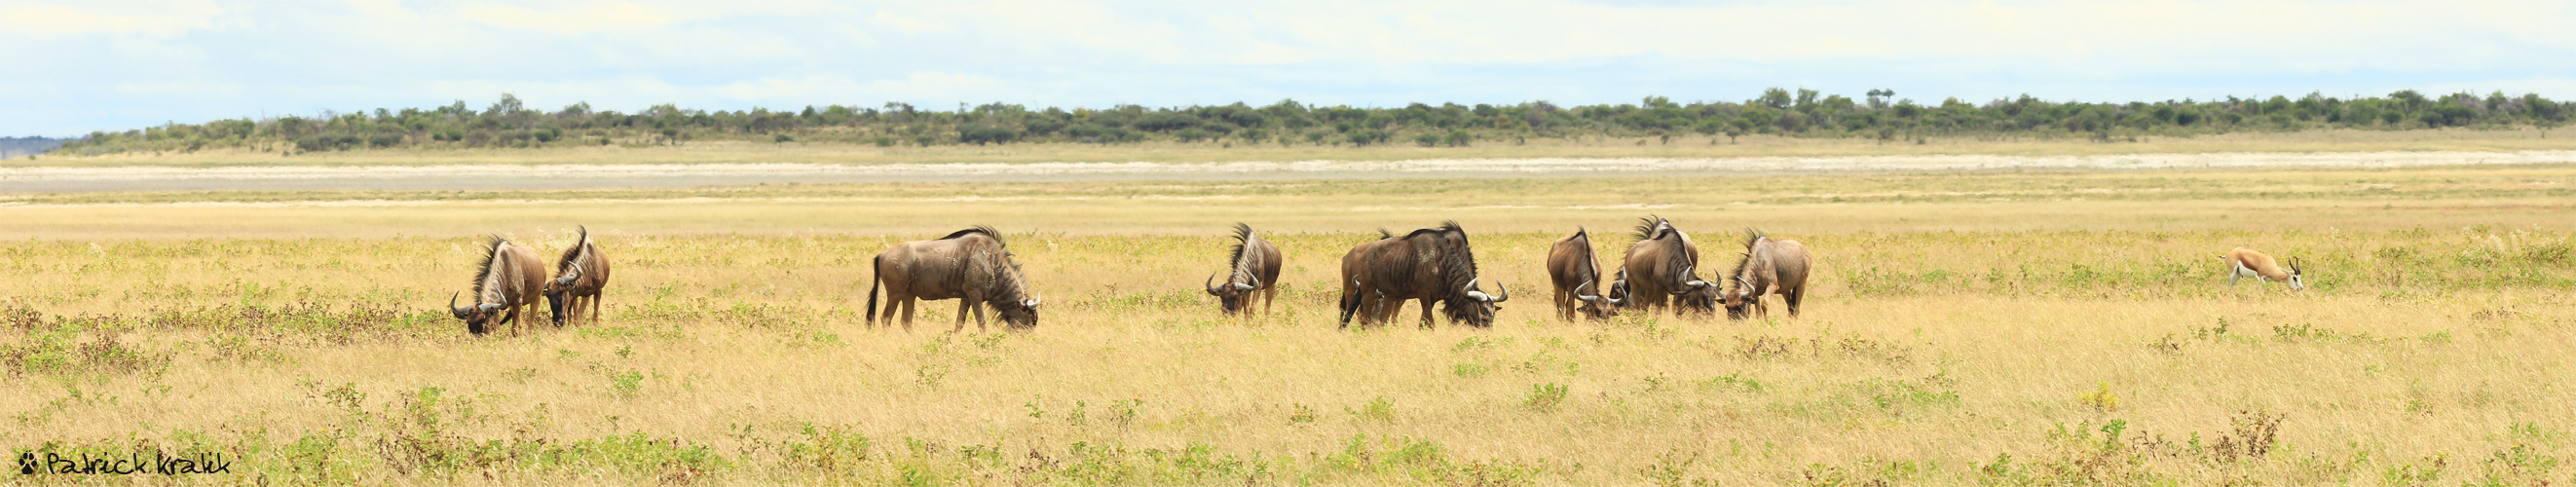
1572	269
579	277
1434	265
972	266
1769	267
510	277
2244	262
1256	268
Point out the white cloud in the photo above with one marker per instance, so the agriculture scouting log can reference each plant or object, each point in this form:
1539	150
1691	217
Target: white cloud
46	20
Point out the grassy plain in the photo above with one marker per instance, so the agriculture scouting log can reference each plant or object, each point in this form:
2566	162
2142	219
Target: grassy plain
1691	146
1994	328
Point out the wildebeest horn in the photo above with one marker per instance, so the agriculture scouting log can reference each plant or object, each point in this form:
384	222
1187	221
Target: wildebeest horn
1691	285
487	307
569	276
1478	295
1211	285
1252	282
452	308
1034	298
1578	292
1502	293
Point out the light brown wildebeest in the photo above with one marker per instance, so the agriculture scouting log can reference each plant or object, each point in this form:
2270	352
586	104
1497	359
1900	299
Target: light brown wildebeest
507	281
579	276
1434	265
1661	265
2244	262
1769	267
1256	268
1576	275
972	266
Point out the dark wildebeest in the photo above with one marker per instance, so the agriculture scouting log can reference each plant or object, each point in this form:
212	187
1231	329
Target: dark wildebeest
972	266
1256	268
1769	267
1576	274
508	280
1662	265
1434	265
579	276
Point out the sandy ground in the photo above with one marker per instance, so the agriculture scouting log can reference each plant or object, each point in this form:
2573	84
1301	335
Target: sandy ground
488	177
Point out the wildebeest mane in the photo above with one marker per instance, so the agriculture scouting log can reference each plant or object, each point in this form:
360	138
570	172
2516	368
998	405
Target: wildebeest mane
573	253
987	230
1751	237
1651	227
485	278
1242	238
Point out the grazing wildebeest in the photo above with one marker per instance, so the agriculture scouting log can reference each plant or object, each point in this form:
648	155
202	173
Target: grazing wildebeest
2244	262
972	266
1256	268
1769	267
508	280
1662	264
579	276
1434	265
1576	274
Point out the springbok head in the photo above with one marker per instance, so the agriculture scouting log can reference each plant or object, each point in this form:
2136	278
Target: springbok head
2298	281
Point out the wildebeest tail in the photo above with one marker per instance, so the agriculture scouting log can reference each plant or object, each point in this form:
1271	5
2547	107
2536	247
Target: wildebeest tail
876	275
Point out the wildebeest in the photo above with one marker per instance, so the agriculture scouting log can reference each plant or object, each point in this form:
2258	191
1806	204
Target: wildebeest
1661	265
2244	262
1769	267
579	276
1576	275
507	281
1256	268
972	266
1434	265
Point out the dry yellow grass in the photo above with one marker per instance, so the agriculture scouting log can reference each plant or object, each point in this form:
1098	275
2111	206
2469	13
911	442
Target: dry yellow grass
1965	329
2524	139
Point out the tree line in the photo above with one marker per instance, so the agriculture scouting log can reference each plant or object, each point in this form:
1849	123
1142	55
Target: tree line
1799	113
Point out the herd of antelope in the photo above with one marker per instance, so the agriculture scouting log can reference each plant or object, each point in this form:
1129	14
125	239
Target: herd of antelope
1434	265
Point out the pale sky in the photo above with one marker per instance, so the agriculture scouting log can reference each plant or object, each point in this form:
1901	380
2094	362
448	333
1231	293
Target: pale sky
77	66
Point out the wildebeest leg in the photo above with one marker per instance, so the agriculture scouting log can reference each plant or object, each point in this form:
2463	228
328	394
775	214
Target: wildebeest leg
1792	298
907	313
1426	313
510	316
1564	310
1268	295
594	308
964	304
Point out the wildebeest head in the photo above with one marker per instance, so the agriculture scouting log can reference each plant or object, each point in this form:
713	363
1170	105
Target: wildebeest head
1595	305
1234	295
1478	308
487	281
1017	303
477	317
1740	301
1244	274
559	292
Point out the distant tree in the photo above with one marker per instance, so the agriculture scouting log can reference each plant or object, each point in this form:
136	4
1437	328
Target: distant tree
1775	98
1458	138
1427	140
